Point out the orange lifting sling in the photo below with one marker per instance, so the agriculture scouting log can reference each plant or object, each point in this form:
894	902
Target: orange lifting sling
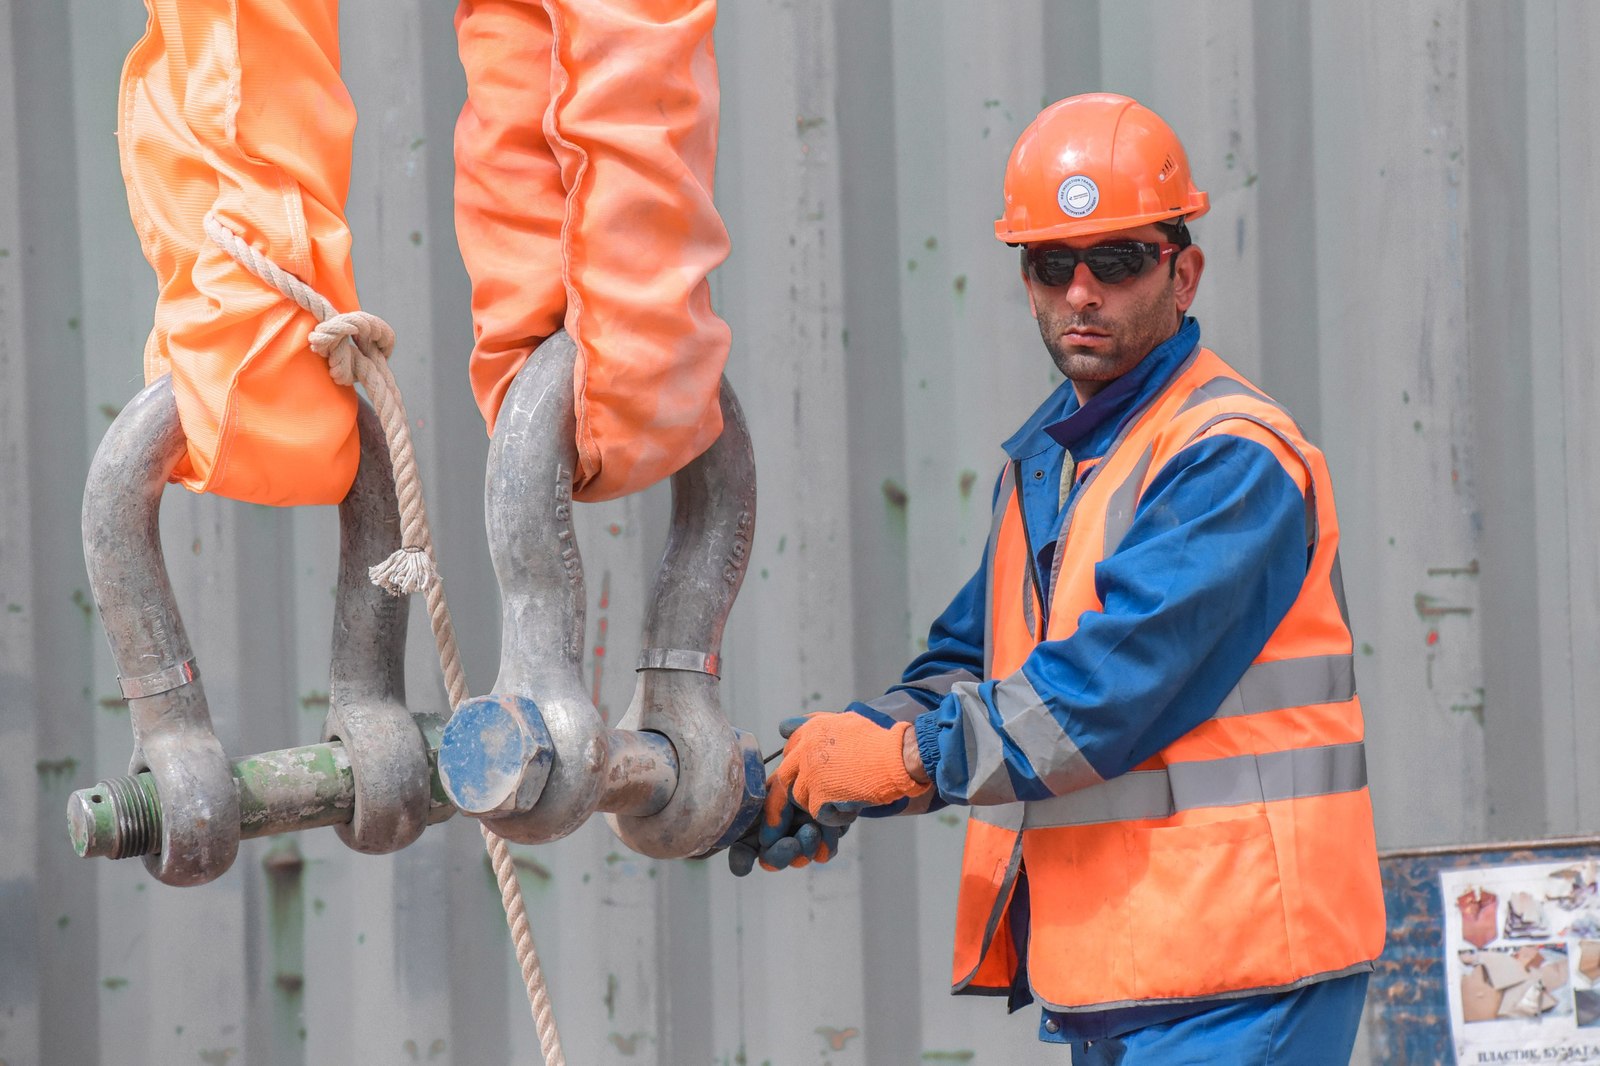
584	159
237	107
584	166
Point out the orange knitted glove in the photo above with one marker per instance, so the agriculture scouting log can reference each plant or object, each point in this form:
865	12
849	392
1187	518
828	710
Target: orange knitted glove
840	758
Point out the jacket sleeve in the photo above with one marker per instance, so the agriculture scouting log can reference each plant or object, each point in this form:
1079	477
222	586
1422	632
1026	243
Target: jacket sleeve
1215	557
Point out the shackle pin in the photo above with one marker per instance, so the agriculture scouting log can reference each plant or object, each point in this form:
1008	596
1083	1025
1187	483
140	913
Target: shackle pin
313	786
279	792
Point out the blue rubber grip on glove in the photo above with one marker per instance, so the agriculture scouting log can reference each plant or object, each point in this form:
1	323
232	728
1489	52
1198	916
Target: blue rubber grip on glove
839	814
741	858
807	841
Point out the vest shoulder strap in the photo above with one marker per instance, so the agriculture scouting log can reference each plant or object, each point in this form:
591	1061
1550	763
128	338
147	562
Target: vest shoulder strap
1221	397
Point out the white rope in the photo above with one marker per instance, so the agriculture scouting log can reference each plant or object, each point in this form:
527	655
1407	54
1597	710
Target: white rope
357	346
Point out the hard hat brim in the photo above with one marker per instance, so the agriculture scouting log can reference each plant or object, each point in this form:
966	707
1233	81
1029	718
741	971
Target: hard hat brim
1199	204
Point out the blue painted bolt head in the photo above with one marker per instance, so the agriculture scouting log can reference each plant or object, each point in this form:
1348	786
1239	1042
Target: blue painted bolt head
495	755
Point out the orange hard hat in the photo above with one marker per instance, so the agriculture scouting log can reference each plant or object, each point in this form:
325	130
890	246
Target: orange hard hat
1093	164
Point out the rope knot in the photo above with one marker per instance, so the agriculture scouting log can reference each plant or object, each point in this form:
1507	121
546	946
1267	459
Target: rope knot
408	570
337	339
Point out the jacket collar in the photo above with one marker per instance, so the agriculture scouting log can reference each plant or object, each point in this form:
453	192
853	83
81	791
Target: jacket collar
1062	422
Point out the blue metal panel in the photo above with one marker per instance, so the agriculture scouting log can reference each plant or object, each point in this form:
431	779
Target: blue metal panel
1408	1013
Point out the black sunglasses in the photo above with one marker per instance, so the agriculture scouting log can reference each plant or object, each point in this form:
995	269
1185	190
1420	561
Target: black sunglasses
1112	263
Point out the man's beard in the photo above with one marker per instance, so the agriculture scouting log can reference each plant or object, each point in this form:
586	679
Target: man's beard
1140	332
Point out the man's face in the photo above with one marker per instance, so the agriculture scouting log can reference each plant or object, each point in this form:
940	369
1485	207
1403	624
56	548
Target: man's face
1097	331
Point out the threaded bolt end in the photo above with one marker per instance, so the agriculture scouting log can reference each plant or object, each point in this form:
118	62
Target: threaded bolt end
138	812
117	819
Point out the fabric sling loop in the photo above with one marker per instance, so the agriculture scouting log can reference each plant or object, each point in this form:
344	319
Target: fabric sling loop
357	346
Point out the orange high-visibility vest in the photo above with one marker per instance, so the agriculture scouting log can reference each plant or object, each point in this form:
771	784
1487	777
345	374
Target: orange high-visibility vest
1239	859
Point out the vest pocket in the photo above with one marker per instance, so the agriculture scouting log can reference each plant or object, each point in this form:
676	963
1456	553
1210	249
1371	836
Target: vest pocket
1206	909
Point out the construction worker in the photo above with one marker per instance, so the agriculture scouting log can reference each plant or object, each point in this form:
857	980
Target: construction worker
1145	694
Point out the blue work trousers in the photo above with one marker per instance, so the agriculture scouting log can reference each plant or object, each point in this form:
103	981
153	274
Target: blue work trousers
1314	1026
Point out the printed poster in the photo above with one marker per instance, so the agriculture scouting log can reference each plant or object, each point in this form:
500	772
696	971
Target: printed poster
1522	962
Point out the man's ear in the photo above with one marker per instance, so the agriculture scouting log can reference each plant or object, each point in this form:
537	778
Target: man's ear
1190	264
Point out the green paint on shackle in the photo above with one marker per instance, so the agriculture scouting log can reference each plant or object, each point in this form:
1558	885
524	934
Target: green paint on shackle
279	792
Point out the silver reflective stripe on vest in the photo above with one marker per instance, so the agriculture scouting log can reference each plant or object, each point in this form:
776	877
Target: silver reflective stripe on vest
1312	522
1305	682
1124	501
1221	388
1027	602
1008	485
1030	727
903	707
1062	768
1230	782
1336	577
1129	425
1003	815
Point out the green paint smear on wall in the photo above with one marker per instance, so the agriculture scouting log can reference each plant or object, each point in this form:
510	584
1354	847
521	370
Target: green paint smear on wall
55	771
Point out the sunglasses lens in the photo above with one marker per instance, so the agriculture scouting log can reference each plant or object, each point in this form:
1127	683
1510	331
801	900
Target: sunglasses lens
1053	266
1109	263
1113	263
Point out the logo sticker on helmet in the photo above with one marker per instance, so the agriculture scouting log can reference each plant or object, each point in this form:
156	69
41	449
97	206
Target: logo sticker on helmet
1078	195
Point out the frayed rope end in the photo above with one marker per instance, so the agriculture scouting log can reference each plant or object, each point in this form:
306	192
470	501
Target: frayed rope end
408	570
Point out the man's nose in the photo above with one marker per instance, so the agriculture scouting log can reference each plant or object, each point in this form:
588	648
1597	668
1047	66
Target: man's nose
1084	291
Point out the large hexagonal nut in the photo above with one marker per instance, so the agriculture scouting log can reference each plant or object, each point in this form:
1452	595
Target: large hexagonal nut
495	755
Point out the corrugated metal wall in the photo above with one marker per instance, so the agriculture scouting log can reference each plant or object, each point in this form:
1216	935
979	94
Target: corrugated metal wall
1399	248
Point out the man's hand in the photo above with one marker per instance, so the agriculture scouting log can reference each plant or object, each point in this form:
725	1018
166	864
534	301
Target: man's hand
788	837
845	758
792	839
842	814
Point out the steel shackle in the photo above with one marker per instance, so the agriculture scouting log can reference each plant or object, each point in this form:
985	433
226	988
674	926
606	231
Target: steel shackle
530	758
387	745
173	739
535	759
172	733
678	692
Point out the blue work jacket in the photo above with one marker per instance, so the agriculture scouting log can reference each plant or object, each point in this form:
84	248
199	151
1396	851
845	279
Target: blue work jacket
1132	675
